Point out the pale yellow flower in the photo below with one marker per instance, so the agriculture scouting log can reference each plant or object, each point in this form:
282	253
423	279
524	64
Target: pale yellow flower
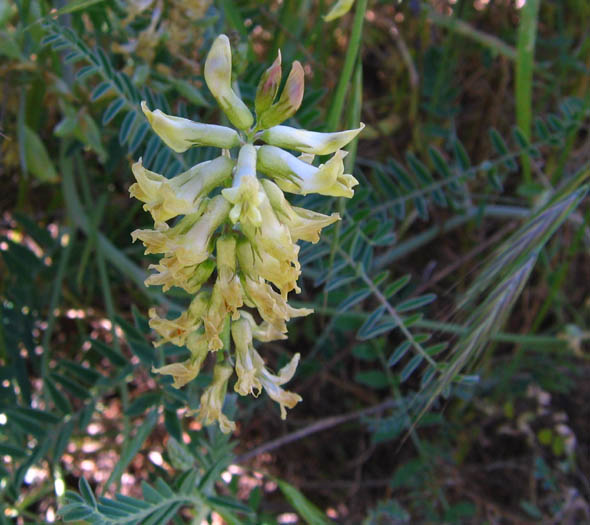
303	224
296	176
263	332
272	236
245	193
213	397
166	198
254	264
172	273
176	331
248	232
271	305
271	384
228	281
186	371
248	361
189	240
253	375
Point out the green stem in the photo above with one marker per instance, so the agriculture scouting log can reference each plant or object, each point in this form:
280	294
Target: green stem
525	62
335	112
545	342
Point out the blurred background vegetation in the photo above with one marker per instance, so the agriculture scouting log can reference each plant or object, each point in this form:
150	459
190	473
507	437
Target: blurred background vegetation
445	371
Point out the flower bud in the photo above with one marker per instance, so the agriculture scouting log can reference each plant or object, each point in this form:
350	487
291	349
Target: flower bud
289	102
340	8
268	86
213	397
181	134
309	141
218	78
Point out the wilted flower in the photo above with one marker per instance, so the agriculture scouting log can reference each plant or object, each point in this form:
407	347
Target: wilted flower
213	397
236	231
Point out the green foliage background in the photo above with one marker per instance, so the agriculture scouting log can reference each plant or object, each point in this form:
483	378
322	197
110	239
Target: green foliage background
447	349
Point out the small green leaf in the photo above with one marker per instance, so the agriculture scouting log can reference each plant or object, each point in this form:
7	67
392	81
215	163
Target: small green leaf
37	158
399	353
143	402
410	367
415	302
111	112
372	378
86	492
99	91
180	456
306	509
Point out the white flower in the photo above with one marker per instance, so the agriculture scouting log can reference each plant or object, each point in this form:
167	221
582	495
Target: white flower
309	141
245	193
296	176
181	134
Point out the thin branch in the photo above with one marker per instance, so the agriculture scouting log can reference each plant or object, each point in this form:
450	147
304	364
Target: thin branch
318	426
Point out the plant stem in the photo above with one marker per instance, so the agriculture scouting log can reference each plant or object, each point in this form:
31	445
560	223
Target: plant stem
335	112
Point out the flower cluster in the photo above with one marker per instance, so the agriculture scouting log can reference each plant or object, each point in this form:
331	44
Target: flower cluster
234	244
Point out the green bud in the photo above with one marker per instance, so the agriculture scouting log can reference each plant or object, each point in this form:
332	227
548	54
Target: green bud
290	100
268	86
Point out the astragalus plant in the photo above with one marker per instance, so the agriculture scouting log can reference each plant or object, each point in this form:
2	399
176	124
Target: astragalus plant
233	241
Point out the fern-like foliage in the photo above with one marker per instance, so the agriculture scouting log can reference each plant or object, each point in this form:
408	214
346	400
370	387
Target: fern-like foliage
441	180
160	503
